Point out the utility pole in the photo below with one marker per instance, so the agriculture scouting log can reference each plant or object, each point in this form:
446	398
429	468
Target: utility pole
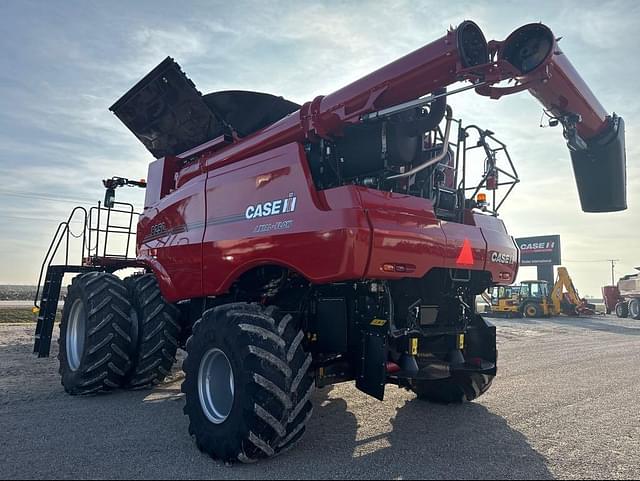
613	268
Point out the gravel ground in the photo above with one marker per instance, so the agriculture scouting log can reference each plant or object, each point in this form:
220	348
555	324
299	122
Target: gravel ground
565	405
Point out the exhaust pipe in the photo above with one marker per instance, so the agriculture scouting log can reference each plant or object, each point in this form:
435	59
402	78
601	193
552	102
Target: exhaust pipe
595	139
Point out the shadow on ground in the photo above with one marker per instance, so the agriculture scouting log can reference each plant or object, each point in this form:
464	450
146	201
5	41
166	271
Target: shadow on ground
425	441
143	434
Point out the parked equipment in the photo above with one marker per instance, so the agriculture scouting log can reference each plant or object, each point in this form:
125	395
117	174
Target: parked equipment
624	299
528	299
287	247
536	299
503	301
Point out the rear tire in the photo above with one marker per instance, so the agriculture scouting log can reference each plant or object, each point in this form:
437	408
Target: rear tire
531	310
155	332
258	352
622	310
634	309
95	342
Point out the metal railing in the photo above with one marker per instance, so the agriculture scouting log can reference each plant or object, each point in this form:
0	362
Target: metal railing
492	148
98	232
95	234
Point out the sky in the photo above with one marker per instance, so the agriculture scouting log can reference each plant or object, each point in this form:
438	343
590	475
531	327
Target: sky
62	64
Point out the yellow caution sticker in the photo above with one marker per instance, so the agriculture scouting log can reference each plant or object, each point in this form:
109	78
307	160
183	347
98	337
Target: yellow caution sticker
378	322
461	342
414	346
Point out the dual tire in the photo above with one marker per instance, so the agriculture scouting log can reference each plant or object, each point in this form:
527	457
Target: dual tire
622	310
247	376
115	334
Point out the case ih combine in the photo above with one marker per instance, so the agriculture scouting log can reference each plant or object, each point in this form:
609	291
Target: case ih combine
286	247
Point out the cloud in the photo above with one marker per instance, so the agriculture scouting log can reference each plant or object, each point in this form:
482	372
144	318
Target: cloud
63	64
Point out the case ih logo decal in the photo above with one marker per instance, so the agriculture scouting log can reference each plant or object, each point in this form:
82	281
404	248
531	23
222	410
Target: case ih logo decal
274	207
540	250
501	258
538	247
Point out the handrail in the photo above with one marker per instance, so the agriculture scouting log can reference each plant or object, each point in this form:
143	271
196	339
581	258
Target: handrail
90	246
95	213
52	251
490	157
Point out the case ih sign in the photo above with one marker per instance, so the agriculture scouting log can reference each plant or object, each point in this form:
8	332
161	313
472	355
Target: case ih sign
541	250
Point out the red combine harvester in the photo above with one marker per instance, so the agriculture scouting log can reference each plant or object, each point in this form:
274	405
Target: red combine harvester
287	247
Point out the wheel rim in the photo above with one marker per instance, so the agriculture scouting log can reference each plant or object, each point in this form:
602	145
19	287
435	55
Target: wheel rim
75	335
216	386
531	311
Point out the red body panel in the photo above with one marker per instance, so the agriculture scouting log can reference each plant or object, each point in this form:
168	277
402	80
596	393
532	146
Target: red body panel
206	241
405	231
170	240
322	243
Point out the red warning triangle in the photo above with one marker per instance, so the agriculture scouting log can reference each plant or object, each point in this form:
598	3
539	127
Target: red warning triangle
466	254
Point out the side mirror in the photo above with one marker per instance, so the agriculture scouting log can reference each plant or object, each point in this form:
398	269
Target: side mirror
110	198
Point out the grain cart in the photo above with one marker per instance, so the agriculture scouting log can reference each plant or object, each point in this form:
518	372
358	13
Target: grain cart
287	247
624	298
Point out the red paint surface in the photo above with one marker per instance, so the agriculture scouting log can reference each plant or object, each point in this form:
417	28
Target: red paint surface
346	233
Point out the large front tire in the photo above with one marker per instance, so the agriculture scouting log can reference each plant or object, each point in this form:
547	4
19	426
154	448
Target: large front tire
247	382
95	341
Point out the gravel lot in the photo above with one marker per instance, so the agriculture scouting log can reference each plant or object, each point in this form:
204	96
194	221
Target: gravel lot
565	404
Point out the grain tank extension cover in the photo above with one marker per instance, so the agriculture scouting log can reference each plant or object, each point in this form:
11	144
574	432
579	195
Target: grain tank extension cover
169	115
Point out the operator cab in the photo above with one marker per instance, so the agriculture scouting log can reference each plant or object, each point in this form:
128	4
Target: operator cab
504	292
534	289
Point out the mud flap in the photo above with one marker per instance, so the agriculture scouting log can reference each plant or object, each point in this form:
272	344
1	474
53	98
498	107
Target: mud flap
372	375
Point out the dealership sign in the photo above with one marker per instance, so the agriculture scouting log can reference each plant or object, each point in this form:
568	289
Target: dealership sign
540	250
